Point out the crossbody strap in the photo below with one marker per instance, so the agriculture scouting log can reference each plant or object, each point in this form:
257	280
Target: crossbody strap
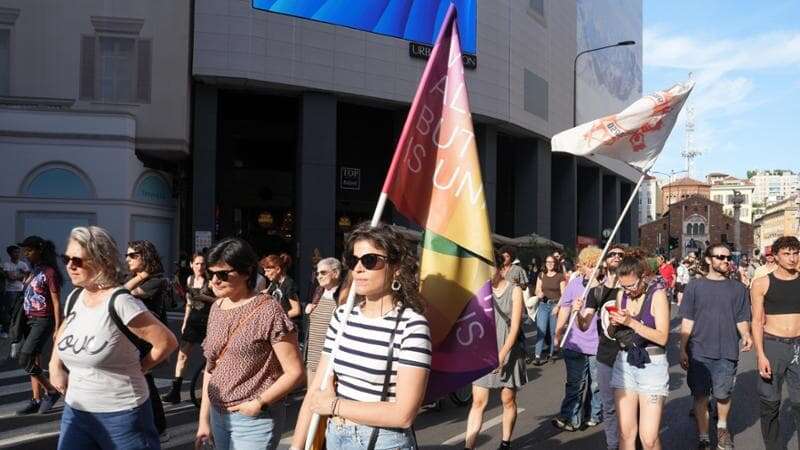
236	328
373	438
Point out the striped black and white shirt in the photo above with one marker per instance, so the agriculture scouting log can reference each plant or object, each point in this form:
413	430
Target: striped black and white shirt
360	364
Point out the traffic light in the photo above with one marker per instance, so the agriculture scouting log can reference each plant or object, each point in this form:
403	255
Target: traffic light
673	242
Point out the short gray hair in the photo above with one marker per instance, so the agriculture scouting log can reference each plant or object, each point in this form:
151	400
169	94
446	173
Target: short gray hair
102	252
333	263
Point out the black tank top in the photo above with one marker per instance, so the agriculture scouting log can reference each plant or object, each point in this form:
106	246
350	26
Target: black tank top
782	297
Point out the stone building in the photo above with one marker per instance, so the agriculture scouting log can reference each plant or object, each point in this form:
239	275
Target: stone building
779	219
693	223
723	188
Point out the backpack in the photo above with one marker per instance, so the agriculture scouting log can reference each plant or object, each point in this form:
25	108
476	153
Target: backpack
140	344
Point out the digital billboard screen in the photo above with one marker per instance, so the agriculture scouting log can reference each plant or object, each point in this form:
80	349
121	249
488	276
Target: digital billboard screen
413	20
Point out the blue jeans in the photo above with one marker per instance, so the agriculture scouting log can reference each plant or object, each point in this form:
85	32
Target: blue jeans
545	323
132	429
241	432
610	423
351	437
581	374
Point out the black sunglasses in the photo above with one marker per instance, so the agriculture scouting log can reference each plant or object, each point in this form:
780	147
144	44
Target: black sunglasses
370	261
76	261
222	275
722	257
133	255
617	254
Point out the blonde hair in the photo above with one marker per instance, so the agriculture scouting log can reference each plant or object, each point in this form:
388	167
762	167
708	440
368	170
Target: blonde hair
102	253
589	256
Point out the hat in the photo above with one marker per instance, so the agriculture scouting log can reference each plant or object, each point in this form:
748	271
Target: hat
32	242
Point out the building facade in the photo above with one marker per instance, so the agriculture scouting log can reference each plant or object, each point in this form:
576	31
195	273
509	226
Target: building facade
682	189
90	91
649	200
693	223
724	189
779	219
773	186
295	121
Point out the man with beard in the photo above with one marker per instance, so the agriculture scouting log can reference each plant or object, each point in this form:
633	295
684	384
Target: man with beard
716	315
776	334
607	349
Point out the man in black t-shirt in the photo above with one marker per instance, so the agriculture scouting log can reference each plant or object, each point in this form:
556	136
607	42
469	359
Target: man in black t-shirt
598	299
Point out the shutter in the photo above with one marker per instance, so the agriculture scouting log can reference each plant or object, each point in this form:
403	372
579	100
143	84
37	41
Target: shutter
143	70
87	68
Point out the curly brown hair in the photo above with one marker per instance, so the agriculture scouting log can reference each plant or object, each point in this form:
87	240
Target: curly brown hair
399	256
149	255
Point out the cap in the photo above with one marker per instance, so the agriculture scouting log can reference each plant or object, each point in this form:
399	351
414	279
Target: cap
32	242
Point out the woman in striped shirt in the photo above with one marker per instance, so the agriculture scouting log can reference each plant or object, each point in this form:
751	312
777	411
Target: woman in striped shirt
367	408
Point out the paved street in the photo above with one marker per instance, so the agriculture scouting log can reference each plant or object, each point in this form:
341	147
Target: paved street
436	428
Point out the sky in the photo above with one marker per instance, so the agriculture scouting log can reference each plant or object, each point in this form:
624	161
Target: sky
744	56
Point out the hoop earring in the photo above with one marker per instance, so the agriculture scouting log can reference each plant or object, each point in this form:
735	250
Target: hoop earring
396	285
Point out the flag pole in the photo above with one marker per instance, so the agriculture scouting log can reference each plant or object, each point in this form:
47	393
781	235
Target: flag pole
602	258
348	308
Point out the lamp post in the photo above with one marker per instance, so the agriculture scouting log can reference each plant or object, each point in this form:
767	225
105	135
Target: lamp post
575	75
671	174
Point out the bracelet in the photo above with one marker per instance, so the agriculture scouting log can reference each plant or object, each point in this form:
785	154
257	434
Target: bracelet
335	408
334	404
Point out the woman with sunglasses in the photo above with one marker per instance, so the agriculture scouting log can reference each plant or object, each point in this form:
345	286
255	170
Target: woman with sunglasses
149	285
383	358
100	370
320	309
42	316
199	298
550	287
640	378
252	360
281	285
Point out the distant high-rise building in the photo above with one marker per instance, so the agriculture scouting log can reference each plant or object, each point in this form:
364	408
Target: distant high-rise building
649	200
773	186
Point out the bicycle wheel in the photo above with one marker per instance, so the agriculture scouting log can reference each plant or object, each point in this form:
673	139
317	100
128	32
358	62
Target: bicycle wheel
463	396
196	386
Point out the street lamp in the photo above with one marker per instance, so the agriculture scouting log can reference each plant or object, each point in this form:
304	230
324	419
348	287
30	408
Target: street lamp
575	75
671	174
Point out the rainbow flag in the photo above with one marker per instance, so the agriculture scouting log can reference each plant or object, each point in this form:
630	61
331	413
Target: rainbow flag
435	180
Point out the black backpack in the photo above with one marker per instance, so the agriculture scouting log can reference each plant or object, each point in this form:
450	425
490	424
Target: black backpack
140	344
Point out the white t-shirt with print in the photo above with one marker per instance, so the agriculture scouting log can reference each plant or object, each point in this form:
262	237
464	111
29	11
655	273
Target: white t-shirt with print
105	374
16	269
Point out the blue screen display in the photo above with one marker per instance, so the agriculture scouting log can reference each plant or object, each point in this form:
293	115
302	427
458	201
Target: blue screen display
413	20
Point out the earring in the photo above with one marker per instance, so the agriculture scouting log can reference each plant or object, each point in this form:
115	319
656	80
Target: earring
396	285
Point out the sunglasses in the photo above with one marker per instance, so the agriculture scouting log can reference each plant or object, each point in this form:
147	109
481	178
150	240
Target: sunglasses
323	273
722	257
133	255
76	261
616	254
370	261
222	275
630	287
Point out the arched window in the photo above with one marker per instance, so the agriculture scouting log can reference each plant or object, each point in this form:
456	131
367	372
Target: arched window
153	188
695	228
58	182
702	228
689	229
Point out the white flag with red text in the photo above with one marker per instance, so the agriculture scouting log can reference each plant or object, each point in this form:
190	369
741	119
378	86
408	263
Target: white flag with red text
636	135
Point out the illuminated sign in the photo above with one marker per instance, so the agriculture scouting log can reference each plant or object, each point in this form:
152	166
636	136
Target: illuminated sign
412	20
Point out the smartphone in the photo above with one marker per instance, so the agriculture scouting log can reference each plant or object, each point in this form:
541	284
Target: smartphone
612	309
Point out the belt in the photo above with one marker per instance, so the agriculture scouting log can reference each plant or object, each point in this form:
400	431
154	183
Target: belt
342	422
785	340
655	351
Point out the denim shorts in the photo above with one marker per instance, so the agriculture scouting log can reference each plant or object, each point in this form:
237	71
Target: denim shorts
132	429
356	437
653	379
241	432
707	375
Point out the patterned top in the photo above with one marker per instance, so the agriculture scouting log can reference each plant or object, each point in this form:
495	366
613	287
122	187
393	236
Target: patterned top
249	365
38	300
360	364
